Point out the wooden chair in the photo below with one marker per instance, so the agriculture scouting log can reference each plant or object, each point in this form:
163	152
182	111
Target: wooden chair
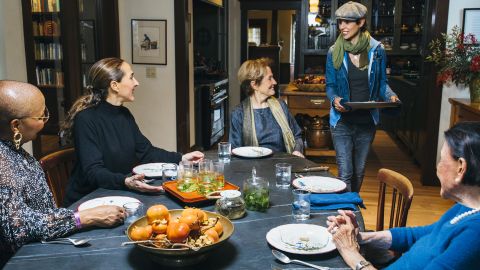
402	195
58	167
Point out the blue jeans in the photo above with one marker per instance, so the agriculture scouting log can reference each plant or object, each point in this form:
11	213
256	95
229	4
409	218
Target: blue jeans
352	143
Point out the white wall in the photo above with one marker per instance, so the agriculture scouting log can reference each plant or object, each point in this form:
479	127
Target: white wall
12	49
455	17
263	14
154	107
285	33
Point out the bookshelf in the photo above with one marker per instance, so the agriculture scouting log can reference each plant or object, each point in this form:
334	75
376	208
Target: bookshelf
61	43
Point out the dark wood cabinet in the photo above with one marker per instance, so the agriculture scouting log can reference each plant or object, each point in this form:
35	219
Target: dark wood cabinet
463	110
62	39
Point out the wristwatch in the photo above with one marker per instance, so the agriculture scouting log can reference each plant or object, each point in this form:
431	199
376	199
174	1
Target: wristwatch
361	264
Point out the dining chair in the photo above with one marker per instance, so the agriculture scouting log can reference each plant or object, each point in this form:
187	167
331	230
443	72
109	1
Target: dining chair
58	167
401	198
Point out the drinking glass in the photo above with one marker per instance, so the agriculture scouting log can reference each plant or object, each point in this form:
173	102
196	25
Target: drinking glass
206	177
224	152
133	211
169	171
218	169
187	177
283	174
301	204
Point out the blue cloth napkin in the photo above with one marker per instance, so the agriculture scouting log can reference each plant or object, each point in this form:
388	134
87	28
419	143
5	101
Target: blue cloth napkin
347	200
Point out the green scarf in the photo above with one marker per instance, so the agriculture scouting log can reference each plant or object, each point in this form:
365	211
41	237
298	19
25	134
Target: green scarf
362	46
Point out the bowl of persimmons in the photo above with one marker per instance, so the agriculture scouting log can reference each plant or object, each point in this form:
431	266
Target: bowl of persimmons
179	237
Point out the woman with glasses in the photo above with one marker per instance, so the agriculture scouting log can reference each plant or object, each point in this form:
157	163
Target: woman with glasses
355	72
27	209
108	142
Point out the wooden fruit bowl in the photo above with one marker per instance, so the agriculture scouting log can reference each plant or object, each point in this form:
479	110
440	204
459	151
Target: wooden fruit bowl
310	87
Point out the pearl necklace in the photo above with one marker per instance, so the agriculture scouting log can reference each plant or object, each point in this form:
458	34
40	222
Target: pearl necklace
466	214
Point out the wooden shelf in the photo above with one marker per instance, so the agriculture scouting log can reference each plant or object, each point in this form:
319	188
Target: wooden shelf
319	152
50	86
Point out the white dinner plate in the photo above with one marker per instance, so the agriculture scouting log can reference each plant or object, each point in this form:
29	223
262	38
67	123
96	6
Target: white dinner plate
149	169
319	184
110	200
304	239
252	151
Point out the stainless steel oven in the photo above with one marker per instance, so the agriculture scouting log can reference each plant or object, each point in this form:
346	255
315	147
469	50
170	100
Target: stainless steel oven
211	112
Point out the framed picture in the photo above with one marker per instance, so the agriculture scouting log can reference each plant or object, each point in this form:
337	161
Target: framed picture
471	22
149	42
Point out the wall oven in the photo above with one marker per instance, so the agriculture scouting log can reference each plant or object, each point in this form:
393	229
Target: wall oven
211	112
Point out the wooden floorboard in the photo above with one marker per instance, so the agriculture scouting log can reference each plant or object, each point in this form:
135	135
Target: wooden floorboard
427	205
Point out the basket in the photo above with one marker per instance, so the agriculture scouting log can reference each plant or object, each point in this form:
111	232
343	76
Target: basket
310	87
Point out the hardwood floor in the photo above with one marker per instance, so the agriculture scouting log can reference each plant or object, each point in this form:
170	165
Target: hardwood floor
427	205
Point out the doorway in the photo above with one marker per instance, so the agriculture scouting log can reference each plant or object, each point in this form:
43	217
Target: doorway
271	29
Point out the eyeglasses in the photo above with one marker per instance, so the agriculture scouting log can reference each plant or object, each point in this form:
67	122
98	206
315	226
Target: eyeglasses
44	118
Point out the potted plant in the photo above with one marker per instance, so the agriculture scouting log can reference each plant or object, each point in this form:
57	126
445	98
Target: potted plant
458	56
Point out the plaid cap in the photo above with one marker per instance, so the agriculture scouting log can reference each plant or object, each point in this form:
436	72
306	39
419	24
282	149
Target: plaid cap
351	11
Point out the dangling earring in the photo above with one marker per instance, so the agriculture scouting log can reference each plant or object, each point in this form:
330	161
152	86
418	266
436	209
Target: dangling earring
17	139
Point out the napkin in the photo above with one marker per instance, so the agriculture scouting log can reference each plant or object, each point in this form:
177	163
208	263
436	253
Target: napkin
332	201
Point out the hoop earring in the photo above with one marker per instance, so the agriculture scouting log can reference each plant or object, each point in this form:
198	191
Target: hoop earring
17	139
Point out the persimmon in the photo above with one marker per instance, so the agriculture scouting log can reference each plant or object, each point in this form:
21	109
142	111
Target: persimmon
177	231
202	216
157	212
191	220
159	227
139	233
218	227
212	235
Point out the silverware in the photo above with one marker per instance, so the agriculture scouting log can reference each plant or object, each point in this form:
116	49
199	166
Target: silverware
312	169
283	258
73	241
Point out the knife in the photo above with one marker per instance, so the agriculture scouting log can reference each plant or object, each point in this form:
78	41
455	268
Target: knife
311	169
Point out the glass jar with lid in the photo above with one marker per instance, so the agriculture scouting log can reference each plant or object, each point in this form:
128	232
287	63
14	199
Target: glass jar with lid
230	204
256	194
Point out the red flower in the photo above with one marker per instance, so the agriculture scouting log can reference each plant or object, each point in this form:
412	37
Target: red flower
475	65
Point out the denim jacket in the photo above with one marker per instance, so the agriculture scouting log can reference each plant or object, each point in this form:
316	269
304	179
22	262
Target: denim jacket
338	86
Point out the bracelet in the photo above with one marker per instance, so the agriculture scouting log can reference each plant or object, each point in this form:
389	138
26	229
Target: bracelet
362	264
78	223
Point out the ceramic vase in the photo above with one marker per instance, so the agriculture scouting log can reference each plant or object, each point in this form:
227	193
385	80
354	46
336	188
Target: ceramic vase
475	89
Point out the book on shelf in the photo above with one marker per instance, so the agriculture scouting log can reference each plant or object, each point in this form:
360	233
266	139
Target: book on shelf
45	5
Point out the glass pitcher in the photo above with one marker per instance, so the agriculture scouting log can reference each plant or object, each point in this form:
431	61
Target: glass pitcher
256	194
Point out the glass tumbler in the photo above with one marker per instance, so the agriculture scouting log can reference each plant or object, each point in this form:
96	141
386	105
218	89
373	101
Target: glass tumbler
187	177
206	177
301	204
218	169
133	211
224	152
283	174
169	171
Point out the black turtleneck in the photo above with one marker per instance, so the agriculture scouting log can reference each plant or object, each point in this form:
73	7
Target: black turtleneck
108	144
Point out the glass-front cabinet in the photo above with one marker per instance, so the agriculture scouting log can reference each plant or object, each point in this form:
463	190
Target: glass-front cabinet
397	24
63	38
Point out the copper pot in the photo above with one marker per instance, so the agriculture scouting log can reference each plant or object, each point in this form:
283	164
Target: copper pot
318	134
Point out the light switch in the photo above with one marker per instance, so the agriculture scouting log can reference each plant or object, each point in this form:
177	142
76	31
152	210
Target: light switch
151	72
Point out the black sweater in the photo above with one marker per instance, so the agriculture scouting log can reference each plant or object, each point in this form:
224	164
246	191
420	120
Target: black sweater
108	144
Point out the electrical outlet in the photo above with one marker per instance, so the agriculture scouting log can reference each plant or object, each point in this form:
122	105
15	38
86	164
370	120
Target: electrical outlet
151	72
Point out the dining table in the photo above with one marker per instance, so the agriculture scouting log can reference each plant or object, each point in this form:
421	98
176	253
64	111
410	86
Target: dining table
247	248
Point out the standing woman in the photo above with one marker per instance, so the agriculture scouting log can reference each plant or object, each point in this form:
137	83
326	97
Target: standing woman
355	72
261	119
108	142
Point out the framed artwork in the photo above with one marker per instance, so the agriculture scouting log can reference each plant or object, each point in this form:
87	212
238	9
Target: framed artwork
149	42
471	22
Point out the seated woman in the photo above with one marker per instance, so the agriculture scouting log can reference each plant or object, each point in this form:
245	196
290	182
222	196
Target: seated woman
108	142
261	119
27	209
451	242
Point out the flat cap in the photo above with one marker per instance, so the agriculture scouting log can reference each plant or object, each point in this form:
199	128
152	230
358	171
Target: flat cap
351	11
